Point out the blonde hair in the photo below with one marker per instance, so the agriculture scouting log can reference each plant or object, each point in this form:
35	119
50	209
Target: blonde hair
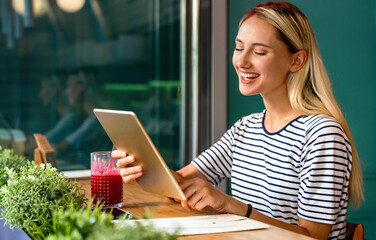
309	88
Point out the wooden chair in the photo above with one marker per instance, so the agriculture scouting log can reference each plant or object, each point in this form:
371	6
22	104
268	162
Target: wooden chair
354	231
44	153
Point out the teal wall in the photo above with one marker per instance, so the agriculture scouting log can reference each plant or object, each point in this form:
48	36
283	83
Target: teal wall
346	34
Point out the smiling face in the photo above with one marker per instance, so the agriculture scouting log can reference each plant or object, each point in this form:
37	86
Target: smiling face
261	60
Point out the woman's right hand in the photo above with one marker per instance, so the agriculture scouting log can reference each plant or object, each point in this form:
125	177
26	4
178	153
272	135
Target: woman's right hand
128	173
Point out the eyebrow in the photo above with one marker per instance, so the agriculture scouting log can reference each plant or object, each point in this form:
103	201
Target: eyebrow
254	44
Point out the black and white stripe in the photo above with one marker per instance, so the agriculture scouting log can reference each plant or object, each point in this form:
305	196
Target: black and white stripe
301	171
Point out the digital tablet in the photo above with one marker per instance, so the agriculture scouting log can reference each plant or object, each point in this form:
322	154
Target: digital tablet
127	134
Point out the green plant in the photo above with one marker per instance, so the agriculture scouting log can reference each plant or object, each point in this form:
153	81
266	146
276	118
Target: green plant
93	224
11	161
137	232
3	178
79	223
32	195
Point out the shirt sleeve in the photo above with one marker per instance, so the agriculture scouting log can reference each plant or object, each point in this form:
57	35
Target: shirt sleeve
216	162
325	173
65	125
84	133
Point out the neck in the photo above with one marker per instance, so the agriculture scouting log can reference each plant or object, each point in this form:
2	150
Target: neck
278	112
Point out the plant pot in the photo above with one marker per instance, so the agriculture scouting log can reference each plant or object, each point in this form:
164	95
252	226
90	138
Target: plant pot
7	233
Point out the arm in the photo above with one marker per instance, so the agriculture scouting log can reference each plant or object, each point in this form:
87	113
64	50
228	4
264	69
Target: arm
131	173
313	229
188	172
201	195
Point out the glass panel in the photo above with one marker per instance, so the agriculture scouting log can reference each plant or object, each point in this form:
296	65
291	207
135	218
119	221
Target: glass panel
56	66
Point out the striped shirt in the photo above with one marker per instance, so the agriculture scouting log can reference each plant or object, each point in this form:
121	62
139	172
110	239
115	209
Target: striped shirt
301	171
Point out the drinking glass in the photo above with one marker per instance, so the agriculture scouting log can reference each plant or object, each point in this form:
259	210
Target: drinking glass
106	182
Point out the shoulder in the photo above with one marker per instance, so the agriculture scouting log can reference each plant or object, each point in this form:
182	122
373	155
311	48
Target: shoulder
320	127
321	123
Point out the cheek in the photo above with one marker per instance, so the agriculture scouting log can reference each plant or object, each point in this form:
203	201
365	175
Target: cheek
277	69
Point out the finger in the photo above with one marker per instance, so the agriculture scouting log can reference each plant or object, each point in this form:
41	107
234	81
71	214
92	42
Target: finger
118	154
177	176
192	193
185	184
199	204
191	186
189	191
185	205
123	162
132	179
197	193
195	198
131	170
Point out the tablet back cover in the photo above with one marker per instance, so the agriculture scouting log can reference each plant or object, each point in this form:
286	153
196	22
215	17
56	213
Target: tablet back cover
127	134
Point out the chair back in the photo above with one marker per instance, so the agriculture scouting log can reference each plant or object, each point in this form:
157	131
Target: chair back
44	153
354	231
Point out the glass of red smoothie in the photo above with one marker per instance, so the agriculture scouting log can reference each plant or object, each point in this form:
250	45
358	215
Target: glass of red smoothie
106	182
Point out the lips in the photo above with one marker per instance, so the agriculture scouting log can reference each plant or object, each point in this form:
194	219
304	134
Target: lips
247	77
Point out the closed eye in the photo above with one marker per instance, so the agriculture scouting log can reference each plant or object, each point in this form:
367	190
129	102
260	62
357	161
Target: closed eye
260	53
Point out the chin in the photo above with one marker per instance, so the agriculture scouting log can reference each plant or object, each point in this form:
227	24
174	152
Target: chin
247	91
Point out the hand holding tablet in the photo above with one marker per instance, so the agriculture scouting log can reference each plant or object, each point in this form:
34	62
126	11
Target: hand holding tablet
128	170
128	135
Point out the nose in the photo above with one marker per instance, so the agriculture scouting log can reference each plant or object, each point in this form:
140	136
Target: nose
242	60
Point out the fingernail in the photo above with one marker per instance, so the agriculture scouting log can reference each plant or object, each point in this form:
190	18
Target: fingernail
123	154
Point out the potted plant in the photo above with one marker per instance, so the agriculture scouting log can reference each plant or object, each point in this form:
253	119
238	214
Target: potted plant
40	201
31	195
87	223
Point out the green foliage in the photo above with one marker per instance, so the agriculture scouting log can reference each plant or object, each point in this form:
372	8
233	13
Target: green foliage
148	214
137	232
3	177
77	224
32	195
10	161
44	204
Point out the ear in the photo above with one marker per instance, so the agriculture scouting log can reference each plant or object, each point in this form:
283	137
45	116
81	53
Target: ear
298	60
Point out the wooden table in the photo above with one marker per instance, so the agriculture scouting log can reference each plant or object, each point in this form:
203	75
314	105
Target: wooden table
136	201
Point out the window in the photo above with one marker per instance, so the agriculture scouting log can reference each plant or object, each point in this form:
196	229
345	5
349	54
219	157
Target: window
56	66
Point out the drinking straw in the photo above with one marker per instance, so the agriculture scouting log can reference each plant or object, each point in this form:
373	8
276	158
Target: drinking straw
111	163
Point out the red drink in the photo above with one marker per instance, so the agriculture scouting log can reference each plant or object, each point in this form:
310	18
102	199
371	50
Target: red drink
107	187
106	182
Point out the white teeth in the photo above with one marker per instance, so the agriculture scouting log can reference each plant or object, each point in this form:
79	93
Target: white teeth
249	75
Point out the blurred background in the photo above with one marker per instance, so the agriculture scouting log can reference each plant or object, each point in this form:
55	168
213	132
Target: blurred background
60	59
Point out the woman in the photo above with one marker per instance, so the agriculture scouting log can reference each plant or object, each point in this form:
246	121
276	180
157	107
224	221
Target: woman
289	165
84	94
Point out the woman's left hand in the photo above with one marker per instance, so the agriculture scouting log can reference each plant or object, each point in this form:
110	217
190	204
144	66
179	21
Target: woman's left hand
201	194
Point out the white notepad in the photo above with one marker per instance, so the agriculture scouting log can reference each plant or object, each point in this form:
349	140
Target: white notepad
200	224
